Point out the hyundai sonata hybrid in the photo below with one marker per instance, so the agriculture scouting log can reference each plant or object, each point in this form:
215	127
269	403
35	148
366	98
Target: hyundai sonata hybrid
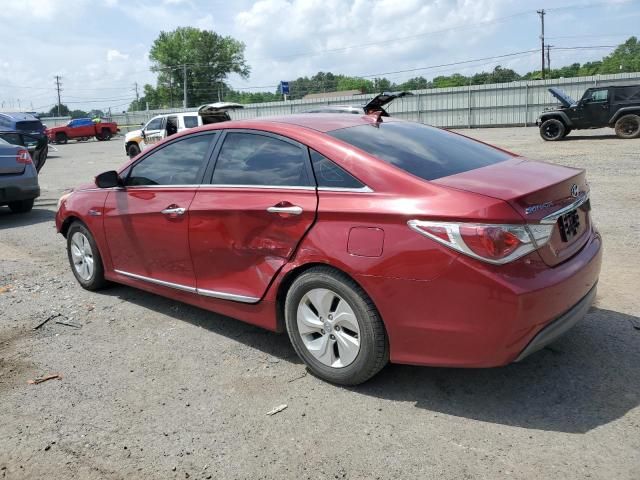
367	238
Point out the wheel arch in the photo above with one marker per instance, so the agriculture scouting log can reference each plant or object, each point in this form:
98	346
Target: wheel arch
64	229
635	110
557	116
290	276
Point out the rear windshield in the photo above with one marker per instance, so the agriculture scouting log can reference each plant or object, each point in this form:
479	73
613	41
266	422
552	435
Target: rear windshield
423	151
29	126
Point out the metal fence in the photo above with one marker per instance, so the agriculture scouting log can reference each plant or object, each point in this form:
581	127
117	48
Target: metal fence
501	104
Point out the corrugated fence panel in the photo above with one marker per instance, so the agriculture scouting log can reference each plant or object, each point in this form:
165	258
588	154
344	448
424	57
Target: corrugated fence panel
501	104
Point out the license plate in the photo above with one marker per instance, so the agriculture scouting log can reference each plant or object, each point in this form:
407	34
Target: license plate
569	225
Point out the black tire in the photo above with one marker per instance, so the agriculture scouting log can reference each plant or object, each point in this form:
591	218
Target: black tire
373	352
628	126
566	132
133	149
61	138
21	206
96	281
106	134
552	130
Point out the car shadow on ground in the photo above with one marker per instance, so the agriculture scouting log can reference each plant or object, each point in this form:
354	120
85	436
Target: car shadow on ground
268	342
588	378
573	136
13	220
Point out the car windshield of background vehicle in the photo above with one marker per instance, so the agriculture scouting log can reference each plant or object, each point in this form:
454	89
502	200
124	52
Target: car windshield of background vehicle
426	152
178	163
249	159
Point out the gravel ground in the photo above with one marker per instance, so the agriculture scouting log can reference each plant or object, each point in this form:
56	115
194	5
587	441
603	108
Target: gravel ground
153	388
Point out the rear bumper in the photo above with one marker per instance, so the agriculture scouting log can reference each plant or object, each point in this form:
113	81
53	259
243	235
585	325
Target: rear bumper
559	326
19	188
477	315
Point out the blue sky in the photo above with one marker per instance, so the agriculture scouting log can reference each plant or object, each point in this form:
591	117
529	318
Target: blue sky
101	48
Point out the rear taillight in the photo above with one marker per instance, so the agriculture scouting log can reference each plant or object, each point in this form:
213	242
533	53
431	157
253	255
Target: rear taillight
23	157
490	243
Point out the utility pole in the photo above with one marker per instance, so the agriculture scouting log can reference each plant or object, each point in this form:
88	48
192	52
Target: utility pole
542	14
549	57
58	85
137	96
184	83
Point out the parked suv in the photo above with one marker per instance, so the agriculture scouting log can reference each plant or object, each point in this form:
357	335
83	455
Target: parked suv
615	106
163	126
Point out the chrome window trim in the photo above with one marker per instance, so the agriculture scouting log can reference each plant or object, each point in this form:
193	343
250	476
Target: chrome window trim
200	291
553	217
364	189
163	283
267	187
227	296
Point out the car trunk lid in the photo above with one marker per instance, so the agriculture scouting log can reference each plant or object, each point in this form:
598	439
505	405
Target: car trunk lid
540	193
9	161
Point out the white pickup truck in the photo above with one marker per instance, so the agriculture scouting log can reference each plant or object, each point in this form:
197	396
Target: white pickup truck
162	126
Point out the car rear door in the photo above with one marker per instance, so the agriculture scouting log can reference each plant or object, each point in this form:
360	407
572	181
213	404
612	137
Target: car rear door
146	222
247	223
154	131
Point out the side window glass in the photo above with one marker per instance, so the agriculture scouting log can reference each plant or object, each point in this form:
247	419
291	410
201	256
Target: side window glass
599	95
178	163
248	159
190	122
154	124
328	174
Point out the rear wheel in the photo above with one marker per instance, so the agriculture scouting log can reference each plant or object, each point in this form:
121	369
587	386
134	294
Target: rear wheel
105	134
628	126
61	137
84	257
334	327
552	130
21	206
133	150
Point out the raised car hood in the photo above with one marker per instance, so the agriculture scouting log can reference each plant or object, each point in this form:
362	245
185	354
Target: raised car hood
214	108
379	101
562	97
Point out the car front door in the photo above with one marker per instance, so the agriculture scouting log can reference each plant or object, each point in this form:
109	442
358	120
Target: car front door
247	223
154	131
146	221
595	108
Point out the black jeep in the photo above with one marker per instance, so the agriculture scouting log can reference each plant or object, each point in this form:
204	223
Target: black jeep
616	106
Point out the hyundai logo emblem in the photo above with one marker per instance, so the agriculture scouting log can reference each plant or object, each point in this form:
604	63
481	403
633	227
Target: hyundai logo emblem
574	190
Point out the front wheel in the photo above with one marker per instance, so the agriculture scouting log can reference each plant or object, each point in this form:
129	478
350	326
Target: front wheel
61	138
133	150
335	328
84	257
552	130
106	134
628	126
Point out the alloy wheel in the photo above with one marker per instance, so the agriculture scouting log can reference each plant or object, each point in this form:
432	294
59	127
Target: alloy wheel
328	327
82	255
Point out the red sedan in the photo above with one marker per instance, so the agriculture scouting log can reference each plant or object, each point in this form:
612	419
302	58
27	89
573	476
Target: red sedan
367	239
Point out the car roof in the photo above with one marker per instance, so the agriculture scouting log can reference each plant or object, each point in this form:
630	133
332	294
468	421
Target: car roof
321	122
19	116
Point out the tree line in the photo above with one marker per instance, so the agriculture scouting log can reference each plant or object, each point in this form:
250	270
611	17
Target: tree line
206	59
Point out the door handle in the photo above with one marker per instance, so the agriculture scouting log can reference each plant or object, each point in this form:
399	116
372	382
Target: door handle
173	210
293	210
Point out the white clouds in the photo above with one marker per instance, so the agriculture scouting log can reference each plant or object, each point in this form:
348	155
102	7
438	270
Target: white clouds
114	55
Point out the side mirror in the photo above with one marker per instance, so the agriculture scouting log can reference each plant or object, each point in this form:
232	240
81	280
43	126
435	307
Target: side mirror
108	179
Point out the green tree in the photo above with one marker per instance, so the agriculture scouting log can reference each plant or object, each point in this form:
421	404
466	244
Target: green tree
64	111
625	58
208	59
